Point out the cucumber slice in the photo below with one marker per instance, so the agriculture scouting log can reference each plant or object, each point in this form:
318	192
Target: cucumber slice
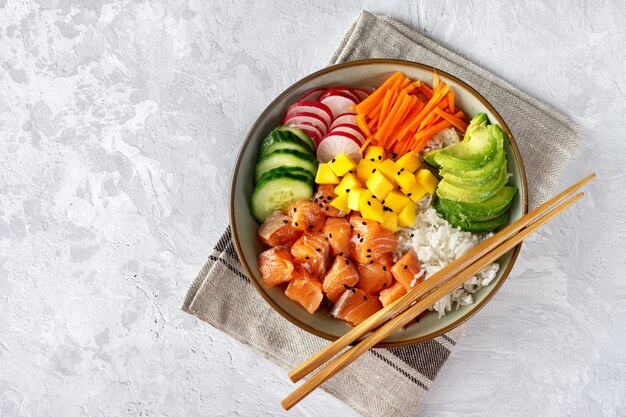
288	170
299	133
285	158
278	140
278	192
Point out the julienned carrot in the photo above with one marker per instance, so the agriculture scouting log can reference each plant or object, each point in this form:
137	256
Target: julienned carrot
362	124
384	109
365	144
434	101
366	105
426	90
451	101
427	133
383	133
407	103
456	122
428	120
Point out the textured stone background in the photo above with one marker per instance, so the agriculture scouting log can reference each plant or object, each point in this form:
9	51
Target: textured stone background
119	123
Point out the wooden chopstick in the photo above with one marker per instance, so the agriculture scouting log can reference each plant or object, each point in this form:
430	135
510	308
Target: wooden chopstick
401	320
453	268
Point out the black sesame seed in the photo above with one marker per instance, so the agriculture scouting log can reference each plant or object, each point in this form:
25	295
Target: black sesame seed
347	262
409	194
399	172
353	290
369	250
347	287
372	261
380	157
340	253
318	250
296	224
294	209
358	236
321	205
365	297
347	190
326	208
382	202
330	235
310	226
412	235
401	169
384	284
394	155
333	160
368	256
374	170
384	268
351	227
361	240
306	257
285	221
405	266
364	223
369	203
372	159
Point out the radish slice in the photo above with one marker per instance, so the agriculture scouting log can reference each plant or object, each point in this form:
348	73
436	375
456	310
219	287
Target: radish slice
295	118
341	91
313	131
312	95
351	130
360	93
335	143
344	118
339	104
312	107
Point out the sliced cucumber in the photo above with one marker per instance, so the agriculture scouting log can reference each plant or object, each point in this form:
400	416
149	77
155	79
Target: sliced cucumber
286	158
299	133
288	170
278	192
278	140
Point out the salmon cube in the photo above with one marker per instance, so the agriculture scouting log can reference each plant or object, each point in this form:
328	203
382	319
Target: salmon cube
276	266
323	197
305	290
355	305
374	277
338	232
307	216
407	270
276	230
312	252
391	294
341	276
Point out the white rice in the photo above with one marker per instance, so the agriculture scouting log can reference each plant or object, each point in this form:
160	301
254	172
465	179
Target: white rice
437	243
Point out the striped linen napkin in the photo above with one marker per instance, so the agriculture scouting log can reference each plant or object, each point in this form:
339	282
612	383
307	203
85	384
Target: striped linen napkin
547	141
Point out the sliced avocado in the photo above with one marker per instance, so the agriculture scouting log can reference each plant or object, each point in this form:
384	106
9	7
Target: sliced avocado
429	158
484	211
476	150
469	225
477	176
473	194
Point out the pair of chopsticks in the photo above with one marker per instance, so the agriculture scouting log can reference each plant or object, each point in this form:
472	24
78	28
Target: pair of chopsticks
398	314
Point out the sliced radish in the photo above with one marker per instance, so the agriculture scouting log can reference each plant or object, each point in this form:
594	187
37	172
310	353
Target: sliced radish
305	117
313	131
360	93
344	118
312	107
339	104
351	130
312	95
344	91
335	143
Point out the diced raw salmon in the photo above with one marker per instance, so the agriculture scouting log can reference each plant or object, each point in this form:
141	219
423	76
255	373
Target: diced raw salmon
276	230
306	216
323	196
374	277
338	233
305	290
405	270
355	305
387	260
312	252
341	275
391	294
276	266
370	242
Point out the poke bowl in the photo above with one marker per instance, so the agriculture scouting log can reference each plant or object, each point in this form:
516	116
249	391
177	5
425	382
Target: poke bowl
408	164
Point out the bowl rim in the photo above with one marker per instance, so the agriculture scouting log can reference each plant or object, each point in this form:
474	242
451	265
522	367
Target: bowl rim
397	343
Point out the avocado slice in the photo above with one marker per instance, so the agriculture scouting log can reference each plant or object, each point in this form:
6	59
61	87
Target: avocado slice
473	194
487	210
429	158
470	225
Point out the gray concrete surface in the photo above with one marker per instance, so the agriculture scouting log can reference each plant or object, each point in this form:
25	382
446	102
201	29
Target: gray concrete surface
119	125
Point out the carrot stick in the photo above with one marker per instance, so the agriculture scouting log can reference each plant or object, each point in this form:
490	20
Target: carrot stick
426	90
456	122
362	124
427	133
366	105
432	116
365	144
385	108
451	101
437	96
412	88
404	109
385	128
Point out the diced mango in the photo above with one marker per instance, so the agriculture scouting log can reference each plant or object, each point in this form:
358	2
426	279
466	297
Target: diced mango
370	207
365	168
390	221
348	182
396	201
377	153
406	180
353	198
342	164
390	169
341	203
379	185
406	218
418	191
325	175
409	161
427	179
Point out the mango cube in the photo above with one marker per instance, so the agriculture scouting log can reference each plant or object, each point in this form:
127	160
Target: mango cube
427	179
341	164
390	221
325	175
348	182
390	169
406	217
353	198
405	179
374	153
417	192
341	203
409	161
396	201
365	168
370	207
379	185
